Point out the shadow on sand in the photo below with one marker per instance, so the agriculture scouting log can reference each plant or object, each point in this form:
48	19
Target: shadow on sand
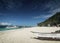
47	39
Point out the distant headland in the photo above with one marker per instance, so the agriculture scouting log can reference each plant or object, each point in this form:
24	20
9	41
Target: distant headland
52	21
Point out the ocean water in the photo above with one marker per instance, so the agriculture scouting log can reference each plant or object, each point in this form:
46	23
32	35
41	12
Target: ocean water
3	29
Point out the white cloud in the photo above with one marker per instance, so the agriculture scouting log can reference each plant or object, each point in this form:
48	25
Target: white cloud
43	16
5	23
51	8
37	17
47	16
56	10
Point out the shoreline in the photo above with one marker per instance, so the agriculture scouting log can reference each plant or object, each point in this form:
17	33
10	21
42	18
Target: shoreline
25	35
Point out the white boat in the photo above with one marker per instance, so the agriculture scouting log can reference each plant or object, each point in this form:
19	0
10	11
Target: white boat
51	36
11	27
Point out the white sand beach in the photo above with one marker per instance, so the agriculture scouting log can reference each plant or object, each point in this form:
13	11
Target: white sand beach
25	35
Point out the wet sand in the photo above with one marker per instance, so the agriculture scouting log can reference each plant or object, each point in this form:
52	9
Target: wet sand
25	35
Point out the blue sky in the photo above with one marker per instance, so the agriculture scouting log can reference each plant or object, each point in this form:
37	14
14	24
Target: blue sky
27	12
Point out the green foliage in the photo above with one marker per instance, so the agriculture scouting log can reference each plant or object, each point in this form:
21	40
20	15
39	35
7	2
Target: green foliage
54	19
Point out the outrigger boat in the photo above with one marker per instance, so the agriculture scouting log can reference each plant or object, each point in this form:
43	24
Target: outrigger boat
47	36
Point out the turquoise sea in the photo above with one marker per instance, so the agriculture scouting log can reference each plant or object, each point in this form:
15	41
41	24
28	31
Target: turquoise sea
3	29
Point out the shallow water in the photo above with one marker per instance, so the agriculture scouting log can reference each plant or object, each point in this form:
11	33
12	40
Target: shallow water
3	29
